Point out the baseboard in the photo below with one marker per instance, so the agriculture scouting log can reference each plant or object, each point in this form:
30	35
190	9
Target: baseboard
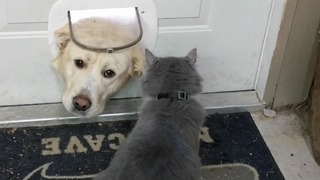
120	109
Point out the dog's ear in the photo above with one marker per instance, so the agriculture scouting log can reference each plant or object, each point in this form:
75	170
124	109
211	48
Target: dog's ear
63	37
138	61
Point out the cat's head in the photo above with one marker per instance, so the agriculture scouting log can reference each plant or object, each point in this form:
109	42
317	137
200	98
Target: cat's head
169	74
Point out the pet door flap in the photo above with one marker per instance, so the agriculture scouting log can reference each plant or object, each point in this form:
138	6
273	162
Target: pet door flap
125	17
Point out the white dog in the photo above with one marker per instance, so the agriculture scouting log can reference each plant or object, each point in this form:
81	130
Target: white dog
92	78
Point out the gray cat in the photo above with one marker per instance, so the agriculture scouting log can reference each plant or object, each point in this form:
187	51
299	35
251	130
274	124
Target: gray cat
164	143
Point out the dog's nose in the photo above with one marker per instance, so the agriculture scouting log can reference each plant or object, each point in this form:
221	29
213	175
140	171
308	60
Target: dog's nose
81	102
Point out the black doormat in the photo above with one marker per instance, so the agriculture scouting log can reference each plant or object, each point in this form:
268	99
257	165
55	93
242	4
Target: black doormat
82	150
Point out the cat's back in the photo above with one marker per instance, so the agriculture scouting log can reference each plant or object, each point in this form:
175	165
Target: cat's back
154	150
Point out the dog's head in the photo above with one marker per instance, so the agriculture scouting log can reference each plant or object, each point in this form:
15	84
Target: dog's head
92	78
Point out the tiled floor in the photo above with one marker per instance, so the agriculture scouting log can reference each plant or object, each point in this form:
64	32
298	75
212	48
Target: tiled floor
289	143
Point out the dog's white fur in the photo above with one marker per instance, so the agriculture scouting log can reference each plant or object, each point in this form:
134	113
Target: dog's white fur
89	80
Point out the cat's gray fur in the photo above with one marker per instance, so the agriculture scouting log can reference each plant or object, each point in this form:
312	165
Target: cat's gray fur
164	143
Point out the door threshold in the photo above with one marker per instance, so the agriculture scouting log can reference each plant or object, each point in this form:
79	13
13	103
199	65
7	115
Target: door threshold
120	109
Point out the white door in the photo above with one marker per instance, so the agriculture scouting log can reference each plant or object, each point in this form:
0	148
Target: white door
228	34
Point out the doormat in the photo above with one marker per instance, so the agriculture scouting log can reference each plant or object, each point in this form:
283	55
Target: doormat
231	147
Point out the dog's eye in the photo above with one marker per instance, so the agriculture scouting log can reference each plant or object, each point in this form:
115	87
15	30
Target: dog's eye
108	74
79	63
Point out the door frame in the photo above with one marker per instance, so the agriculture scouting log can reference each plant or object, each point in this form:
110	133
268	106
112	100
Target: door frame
286	77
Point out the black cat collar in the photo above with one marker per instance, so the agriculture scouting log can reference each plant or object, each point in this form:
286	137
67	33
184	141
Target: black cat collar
181	95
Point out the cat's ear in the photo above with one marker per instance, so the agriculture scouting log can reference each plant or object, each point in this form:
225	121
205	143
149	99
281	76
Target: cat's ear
192	56
149	57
